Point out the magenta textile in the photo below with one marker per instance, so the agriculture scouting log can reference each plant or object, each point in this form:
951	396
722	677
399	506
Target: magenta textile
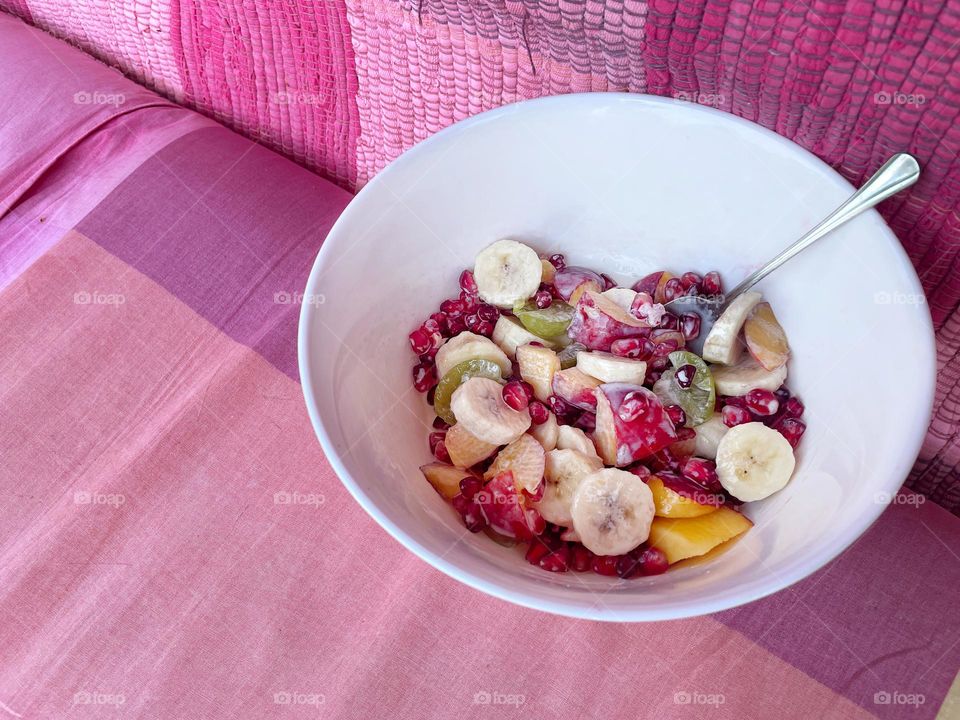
345	86
175	545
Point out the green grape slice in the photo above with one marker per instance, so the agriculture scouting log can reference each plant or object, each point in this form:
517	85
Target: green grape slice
699	399
545	322
456	376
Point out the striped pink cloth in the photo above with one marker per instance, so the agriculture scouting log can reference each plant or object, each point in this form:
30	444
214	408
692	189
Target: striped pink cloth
175	545
344	86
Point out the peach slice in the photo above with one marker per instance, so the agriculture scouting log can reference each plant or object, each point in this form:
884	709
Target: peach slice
681	538
654	284
526	458
576	387
598	321
671	504
631	424
465	449
444	478
766	340
537	367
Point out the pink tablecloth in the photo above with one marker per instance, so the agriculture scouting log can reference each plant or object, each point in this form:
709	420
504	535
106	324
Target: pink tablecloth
174	544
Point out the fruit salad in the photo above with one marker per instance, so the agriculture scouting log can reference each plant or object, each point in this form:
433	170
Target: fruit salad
574	420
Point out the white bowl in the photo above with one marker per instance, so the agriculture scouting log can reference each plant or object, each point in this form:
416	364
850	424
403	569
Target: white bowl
625	184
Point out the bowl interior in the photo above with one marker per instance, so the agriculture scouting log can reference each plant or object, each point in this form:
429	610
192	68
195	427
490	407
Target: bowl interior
627	185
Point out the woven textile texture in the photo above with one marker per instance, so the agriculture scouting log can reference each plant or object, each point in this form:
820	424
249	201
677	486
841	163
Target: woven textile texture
343	87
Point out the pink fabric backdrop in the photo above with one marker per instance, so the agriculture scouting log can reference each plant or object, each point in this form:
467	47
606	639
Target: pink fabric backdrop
345	86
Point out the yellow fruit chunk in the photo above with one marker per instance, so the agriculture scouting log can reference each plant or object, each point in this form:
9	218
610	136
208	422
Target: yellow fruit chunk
689	537
465	449
765	338
671	504
444	478
526	458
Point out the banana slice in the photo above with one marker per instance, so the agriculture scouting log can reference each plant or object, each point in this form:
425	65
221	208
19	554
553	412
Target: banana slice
709	435
754	461
572	438
723	344
607	367
507	271
563	471
467	346
745	376
612	511
478	405
623	297
508	335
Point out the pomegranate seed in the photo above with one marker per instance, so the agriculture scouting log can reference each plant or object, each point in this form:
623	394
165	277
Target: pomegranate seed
420	341
605	565
653	562
676	414
762	402
690	326
434	439
424	376
515	396
633	406
431	394
470	301
440	424
782	393
536	552
488	313
793	408
452	308
666	347
467	282
470	486
733	415
440	319
641	471
735	400
527	390
559	406
484	328
431	325
652	377
558	261
543	299
557	561
581	559
711	284
640	348
538	412
685	375
672	289
472	319
792	429
455	325
690	279
474	518
669	321
685	433
628	566
608	282
586	422
703	471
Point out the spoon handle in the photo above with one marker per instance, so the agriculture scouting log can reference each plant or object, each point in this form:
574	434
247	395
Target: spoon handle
899	172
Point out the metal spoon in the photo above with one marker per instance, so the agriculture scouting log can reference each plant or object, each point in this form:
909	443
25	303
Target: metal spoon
899	172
